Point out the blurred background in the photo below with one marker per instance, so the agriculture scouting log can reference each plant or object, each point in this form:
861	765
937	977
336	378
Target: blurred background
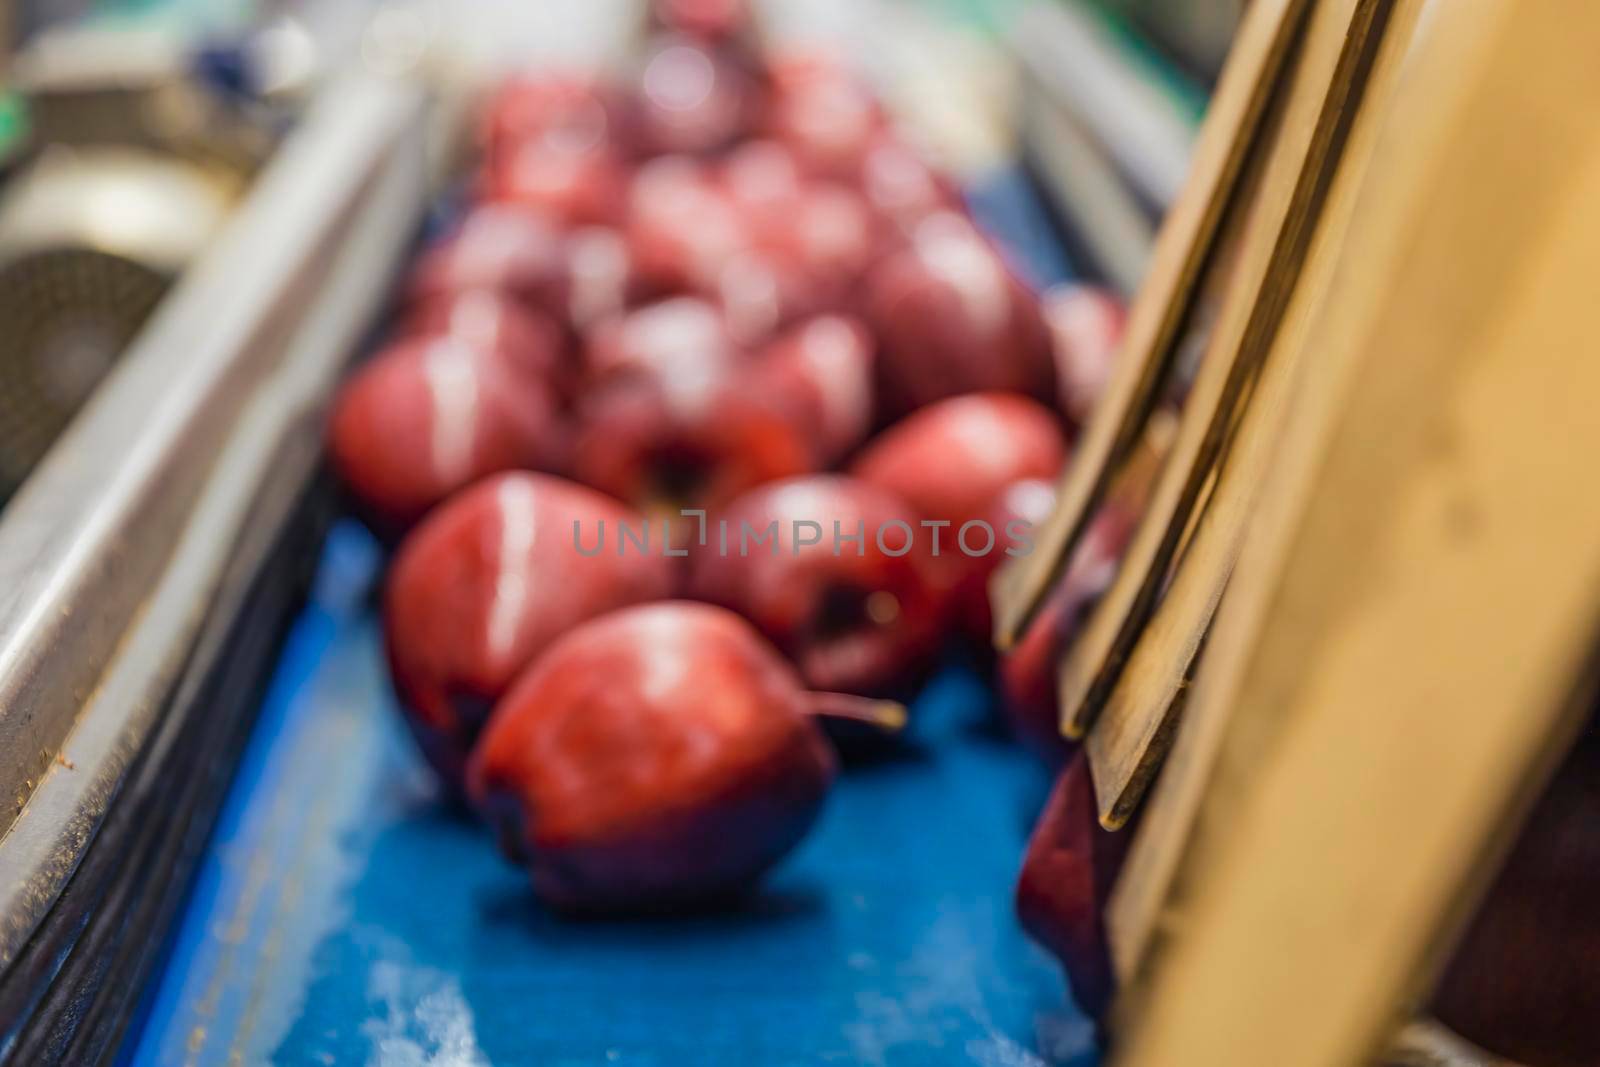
130	128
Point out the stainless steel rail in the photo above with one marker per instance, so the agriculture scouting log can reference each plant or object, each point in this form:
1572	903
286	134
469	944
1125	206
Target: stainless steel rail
112	552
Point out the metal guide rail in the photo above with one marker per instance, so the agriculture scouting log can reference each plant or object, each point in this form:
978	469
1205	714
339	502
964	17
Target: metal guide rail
150	564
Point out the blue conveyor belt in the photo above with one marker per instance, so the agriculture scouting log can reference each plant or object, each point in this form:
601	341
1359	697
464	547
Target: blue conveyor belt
343	915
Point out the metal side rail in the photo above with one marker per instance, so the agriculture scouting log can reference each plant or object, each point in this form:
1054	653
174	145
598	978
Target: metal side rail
148	567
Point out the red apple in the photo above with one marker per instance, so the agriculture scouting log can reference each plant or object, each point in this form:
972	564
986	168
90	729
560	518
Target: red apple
1086	326
553	144
1029	670
831	238
638	441
693	97
978	463
486	583
577	276
1522	983
823	226
821	231
662	426
762	181
505	248
683	343
951	318
901	187
428	416
767	247
797	406
1066	880
568	111
760	293
822	371
599	278
683	227
711	20
822	113
576	186
954	459
655	757
858	616
528	340
808	267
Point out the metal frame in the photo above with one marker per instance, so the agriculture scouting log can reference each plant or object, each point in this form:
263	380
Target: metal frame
143	529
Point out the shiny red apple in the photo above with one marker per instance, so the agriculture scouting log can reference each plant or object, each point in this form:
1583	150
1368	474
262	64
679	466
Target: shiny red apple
692	96
712	20
1066	880
808	241
1029	670
655	757
829	235
1523	981
836	572
824	227
822	113
952	318
599	278
528	340
762	180
1086	326
566	110
555	143
577	276
901	186
503	248
952	460
982	464
638	441
429	415
683	342
682	227
821	370
574	185
486	583
792	409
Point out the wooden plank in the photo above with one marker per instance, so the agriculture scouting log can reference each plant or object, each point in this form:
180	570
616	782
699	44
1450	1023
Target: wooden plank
1386	731
1140	910
1327	75
1182	249
1134	731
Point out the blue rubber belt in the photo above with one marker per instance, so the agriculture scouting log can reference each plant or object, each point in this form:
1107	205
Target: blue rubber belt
344	916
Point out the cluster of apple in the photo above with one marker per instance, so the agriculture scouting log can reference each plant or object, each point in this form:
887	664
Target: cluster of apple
723	286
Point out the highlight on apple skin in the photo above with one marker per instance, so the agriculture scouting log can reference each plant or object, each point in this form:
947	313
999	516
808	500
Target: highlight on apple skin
484	585
653	758
980	461
430	415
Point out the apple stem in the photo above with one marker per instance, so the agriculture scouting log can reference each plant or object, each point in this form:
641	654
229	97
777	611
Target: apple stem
886	715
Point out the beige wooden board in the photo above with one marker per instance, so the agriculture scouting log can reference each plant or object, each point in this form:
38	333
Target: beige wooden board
1388	724
1134	730
1326	72
1181	251
1141	907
